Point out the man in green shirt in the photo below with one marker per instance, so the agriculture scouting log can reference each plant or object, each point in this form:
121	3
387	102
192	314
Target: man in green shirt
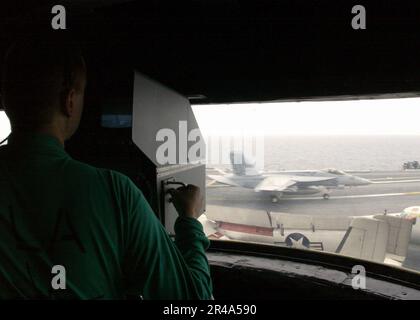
70	230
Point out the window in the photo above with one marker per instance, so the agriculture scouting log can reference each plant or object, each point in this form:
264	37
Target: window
267	182
4	126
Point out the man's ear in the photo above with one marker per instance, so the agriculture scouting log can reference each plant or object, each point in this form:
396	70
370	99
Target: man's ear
68	103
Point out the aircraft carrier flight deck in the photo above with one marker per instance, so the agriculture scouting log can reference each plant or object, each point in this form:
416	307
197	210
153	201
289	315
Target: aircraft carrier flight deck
390	190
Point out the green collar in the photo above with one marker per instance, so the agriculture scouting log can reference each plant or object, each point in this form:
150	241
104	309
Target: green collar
36	142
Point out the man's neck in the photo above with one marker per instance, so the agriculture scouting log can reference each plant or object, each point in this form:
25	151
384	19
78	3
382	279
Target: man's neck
54	133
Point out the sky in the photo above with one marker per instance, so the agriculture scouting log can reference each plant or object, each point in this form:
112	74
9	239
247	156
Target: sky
353	117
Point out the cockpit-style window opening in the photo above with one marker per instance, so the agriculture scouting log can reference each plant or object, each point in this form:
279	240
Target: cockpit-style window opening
324	175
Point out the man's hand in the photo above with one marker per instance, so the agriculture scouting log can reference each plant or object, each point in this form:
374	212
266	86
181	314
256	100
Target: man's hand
187	200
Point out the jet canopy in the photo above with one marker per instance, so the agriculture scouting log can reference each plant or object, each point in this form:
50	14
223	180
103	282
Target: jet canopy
335	171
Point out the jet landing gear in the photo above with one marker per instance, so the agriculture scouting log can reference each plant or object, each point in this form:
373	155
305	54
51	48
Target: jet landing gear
324	191
275	199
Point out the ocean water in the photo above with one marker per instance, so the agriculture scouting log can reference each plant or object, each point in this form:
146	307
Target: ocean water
343	152
375	152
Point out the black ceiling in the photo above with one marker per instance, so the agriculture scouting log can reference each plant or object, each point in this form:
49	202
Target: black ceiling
231	51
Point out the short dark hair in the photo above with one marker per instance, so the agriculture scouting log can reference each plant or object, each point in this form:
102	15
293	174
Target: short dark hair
37	76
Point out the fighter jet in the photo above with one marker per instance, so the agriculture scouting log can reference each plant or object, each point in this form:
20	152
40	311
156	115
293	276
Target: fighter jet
285	183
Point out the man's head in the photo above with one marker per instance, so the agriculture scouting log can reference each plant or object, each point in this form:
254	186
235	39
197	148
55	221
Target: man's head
43	86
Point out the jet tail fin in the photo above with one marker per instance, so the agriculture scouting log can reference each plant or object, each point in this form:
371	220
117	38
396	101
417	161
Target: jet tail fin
241	164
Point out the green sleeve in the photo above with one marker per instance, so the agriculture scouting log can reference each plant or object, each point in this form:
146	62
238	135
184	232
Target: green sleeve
192	243
156	267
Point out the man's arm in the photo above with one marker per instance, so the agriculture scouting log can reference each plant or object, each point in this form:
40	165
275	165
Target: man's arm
192	242
155	266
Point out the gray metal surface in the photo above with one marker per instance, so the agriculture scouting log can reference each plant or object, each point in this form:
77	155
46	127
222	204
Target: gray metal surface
188	174
315	273
155	108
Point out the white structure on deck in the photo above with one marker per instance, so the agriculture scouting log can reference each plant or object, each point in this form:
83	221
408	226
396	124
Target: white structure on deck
381	238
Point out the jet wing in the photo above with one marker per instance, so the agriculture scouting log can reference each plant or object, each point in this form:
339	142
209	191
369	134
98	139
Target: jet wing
220	171
278	183
309	179
282	182
223	179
